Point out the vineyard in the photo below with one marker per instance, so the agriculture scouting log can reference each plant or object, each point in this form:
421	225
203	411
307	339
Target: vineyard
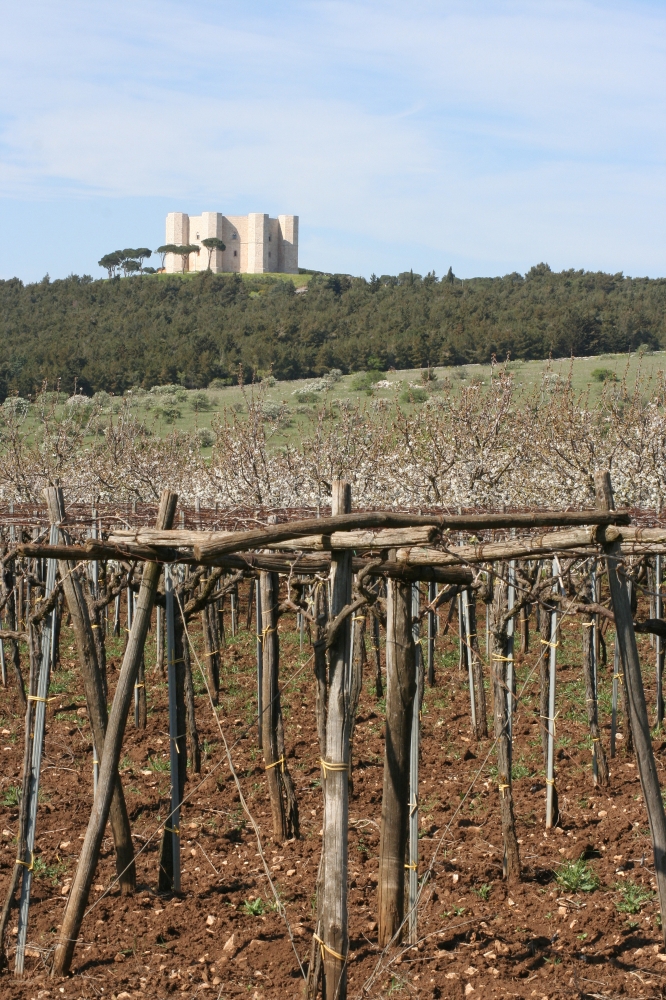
332	752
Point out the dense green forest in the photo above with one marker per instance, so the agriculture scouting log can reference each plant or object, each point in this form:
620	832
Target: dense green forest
114	334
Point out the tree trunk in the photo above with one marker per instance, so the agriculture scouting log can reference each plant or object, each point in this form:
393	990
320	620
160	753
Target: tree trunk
400	692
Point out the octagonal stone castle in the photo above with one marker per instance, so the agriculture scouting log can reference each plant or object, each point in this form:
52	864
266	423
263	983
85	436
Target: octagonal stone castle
255	243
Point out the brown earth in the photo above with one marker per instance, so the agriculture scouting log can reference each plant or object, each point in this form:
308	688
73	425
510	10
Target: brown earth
479	937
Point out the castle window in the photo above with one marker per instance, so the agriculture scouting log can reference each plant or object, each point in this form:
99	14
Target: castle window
269	253
269	239
197	236
235	253
233	236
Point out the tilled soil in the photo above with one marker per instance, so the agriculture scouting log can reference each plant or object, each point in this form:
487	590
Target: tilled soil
478	936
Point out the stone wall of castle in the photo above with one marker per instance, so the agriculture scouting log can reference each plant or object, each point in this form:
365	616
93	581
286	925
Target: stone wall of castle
254	244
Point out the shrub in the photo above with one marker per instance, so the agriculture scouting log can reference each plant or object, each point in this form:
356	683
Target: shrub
168	411
16	406
206	437
577	876
632	897
220	383
176	392
604	375
413	394
305	397
428	375
200	400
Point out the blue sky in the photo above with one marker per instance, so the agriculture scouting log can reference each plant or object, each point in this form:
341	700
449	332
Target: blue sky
482	134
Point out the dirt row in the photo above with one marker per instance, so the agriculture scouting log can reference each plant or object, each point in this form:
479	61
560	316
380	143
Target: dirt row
223	937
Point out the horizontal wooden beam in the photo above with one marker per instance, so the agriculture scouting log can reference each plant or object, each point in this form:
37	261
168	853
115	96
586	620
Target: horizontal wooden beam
261	538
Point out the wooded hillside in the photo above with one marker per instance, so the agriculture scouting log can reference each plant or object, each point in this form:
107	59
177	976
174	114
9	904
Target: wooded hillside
154	329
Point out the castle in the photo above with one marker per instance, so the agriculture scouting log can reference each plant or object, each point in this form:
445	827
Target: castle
255	244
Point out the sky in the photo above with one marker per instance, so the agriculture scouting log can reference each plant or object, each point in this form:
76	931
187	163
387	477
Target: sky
485	135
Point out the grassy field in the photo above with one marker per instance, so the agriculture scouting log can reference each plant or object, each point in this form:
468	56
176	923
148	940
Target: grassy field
298	402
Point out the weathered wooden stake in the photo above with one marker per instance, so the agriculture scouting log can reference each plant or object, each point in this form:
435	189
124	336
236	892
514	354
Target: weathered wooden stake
658	603
93	685
335	772
85	871
552	809
432	625
617	679
40	699
400	693
269	584
414	747
501	659
260	667
633	680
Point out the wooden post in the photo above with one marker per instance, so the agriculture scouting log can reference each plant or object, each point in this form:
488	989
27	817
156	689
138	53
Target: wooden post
501	659
599	765
658	604
268	584
260	667
414	747
432	596
159	641
467	653
480	714
617	679
85	871
400	692
40	699
335	771
169	875
95	694
552	808
633	680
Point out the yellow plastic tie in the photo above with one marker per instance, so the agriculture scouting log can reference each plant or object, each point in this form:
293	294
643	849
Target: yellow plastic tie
172	829
326	766
548	719
94	626
414	867
501	788
504	659
547	642
275	763
139	685
267	631
550	781
325	948
30	866
358	618
36	697
207	655
588	624
95	761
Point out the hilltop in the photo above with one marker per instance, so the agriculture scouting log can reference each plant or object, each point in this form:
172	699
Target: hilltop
112	335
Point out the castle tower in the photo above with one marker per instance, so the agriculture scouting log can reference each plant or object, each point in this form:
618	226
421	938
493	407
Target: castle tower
254	243
288	244
178	232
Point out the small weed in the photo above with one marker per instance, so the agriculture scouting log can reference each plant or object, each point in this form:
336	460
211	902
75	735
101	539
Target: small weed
577	876
581	937
632	897
12	796
162	764
483	892
253	907
50	872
